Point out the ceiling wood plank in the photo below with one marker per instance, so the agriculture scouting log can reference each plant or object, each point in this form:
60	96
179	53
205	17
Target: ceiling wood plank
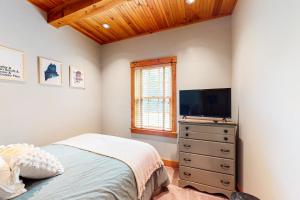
177	26
130	18
87	33
217	7
74	10
123	12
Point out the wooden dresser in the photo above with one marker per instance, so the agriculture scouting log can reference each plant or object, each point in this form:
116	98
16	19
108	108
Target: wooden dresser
207	158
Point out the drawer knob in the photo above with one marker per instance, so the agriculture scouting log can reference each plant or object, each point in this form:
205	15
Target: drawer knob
187	173
225	183
187	135
187	128
224	166
187	145
187	159
226	138
225	150
225	131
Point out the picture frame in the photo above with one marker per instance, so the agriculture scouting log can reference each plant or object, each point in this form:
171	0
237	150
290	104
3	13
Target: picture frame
11	64
50	72
77	77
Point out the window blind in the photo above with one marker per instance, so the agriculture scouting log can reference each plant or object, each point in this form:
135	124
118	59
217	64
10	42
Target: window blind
153	95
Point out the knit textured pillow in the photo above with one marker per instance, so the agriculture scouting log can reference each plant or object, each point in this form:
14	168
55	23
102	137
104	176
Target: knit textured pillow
37	164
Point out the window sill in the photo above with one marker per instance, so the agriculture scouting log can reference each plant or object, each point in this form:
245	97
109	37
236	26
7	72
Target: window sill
154	132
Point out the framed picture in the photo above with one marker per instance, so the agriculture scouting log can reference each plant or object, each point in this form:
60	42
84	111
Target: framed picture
77	77
50	72
11	64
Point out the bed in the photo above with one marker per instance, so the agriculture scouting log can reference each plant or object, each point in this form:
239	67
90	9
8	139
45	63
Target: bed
89	175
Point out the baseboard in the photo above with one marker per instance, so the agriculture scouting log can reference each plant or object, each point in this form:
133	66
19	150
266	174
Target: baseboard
171	163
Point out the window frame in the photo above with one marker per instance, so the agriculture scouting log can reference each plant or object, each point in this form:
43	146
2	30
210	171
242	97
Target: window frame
172	61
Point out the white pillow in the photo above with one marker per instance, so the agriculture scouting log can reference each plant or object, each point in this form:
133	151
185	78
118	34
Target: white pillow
10	185
36	164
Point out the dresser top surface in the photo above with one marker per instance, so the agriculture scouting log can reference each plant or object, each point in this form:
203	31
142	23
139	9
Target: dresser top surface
207	122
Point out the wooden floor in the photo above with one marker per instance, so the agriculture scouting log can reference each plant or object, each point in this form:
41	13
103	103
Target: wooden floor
176	193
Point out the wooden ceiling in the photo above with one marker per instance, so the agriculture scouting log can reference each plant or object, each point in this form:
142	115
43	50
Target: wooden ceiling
129	18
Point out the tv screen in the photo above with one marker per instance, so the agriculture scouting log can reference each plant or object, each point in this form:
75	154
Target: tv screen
206	103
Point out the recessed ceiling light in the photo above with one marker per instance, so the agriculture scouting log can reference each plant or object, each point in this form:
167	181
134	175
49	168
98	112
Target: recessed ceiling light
189	1
106	26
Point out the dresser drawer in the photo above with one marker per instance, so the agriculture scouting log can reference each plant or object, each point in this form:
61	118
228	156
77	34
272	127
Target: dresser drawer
206	177
208	136
207	129
216	149
207	163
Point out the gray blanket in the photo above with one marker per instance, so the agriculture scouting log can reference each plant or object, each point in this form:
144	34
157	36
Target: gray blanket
90	176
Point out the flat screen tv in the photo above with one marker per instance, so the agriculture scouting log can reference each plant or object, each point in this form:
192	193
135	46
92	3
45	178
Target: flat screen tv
206	103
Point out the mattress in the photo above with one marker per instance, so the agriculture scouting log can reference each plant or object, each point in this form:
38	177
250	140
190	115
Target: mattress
90	176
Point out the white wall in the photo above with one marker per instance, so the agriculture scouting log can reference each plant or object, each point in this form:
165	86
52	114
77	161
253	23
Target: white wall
266	71
204	61
38	114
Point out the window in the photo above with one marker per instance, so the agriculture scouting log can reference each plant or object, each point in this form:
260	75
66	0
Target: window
153	97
